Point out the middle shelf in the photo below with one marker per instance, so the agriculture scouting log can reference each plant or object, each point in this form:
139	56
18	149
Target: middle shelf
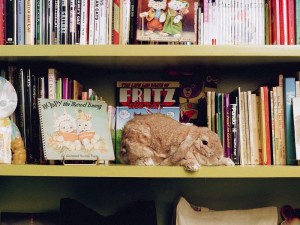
125	171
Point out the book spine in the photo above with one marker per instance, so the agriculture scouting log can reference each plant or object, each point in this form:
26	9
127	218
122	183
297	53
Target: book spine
10	38
275	22
267	121
57	19
20	22
97	25
297	21
133	22
28	118
35	121
234	133
29	22
50	15
84	22
72	22
296	117
283	22
20	110
65	88
91	19
2	22
38	22
52	76
289	93
116	22
103	22
227	125
76	90
78	21
64	21
291	21
59	88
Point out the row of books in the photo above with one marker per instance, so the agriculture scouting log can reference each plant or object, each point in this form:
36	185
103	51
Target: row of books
31	86
204	22
258	127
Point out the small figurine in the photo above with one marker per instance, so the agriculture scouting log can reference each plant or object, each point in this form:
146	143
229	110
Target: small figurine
155	16
12	148
174	15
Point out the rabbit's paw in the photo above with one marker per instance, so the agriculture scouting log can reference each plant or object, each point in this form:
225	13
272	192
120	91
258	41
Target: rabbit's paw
144	162
191	165
227	162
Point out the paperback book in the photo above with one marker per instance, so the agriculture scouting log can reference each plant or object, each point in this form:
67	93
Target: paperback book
75	130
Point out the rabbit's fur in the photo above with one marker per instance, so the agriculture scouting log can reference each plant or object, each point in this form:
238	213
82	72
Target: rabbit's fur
157	139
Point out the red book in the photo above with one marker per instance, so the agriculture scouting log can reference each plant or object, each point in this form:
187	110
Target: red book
291	22
283	22
267	160
116	22
275	21
2	22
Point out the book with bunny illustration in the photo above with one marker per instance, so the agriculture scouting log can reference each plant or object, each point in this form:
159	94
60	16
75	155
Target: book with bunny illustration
75	130
166	20
144	97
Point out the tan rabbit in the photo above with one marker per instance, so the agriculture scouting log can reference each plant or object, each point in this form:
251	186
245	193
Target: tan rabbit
157	139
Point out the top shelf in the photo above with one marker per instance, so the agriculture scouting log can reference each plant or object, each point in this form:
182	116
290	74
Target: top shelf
125	171
118	55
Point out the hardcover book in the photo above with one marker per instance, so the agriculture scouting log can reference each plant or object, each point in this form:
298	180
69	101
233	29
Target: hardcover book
75	130
289	92
144	97
166	21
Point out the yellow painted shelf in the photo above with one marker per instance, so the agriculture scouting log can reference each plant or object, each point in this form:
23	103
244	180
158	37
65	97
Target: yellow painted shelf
125	171
111	55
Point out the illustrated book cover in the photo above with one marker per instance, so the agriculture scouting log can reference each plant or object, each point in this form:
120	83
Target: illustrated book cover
75	130
144	97
166	21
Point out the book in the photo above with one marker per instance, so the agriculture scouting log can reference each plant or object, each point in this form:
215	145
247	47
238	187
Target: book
296	119
163	21
52	77
78	21
2	22
116	22
64	21
57	22
76	90
20	23
72	22
289	92
144	97
10	22
75	130
29	22
84	22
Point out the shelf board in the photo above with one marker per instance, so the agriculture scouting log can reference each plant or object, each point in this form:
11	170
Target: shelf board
143	55
125	171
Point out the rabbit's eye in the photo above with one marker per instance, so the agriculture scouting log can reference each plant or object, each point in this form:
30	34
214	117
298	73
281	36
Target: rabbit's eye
204	142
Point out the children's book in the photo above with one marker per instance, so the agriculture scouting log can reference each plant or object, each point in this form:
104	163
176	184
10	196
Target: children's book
75	130
144	97
166	21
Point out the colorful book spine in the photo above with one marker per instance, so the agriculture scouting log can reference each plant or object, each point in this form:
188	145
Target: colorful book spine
38	22
297	21
77	90
59	88
234	133
227	125
289	92
267	156
291	21
29	22
2	22
66	88
116	22
20	22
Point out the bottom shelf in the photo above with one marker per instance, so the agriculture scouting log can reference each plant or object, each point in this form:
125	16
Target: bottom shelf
107	195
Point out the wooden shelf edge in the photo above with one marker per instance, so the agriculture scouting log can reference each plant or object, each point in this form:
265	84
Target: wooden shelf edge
125	171
147	50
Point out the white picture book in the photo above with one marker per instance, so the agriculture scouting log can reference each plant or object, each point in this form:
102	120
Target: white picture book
75	130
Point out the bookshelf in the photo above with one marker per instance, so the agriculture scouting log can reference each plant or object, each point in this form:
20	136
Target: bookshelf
105	188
